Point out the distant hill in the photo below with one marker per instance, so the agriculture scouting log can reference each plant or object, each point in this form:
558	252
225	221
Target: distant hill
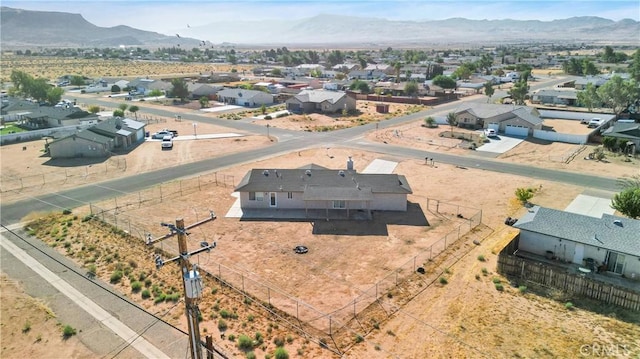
23	28
57	29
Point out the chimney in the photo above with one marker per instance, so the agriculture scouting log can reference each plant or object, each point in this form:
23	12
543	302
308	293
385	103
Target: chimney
350	164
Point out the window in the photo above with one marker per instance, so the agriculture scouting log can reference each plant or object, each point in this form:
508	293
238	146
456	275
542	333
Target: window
259	196
289	195
252	196
340	204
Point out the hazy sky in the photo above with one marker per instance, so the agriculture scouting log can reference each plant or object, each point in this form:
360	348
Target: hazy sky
167	16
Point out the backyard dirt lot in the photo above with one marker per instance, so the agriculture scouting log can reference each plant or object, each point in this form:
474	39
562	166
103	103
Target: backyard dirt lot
467	317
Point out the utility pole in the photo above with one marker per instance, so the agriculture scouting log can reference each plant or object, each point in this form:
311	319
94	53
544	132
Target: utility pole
191	280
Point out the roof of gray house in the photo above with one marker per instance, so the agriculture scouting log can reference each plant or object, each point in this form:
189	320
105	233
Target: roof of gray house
240	93
58	113
567	94
13	104
318	96
120	126
487	110
609	232
525	113
86	135
596	80
624	130
324	183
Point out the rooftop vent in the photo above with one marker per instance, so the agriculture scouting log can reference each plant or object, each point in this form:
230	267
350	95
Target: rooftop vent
341	173
265	172
308	173
618	223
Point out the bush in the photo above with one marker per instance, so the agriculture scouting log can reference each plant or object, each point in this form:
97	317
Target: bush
568	305
26	327
496	280
278	341
359	338
281	353
251	355
522	289
68	331
136	286
481	258
160	298
66	211
484	271
146	294
116	276
222	325
244	342
499	287
443	280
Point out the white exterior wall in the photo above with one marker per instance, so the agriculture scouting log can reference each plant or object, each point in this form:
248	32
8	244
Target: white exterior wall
68	148
632	267
537	243
560	137
382	202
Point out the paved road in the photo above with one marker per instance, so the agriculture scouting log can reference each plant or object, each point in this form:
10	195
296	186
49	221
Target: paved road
79	302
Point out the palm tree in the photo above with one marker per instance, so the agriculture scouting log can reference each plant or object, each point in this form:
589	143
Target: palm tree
452	121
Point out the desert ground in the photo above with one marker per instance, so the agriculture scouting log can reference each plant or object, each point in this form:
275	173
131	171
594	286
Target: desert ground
464	317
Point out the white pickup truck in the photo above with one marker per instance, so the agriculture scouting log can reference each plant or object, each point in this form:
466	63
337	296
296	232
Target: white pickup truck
594	122
167	142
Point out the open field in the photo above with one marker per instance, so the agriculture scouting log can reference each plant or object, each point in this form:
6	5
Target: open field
53	67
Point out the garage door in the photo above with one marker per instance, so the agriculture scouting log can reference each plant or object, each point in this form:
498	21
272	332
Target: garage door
516	131
494	126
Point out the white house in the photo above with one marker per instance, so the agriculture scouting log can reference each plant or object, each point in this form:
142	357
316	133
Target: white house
241	97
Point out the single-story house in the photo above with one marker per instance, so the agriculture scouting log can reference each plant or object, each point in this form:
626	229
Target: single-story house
507	119
610	242
316	187
198	90
366	75
308	101
581	83
49	116
125	132
242	97
384	68
568	97
626	131
84	143
145	86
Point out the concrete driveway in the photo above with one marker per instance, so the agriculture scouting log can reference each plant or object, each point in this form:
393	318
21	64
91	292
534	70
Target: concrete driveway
500	144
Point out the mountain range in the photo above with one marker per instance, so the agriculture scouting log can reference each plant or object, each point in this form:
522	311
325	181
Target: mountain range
24	28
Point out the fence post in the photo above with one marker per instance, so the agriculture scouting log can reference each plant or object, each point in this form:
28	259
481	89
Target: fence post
160	187
181	187
216	177
199	189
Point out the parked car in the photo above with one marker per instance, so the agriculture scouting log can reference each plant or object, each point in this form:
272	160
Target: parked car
161	134
594	122
490	132
167	142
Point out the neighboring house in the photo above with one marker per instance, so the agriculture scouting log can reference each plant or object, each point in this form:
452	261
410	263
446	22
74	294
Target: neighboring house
507	119
610	242
48	116
308	101
626	131
125	132
13	108
366	74
145	86
581	83
198	90
384	68
320	188
122	84
241	97
567	97
346	67
84	143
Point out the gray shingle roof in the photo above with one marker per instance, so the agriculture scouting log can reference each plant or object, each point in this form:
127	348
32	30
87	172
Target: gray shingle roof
525	114
332	182
318	96
624	130
598	232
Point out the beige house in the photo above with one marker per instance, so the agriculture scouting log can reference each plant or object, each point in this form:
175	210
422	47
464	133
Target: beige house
507	119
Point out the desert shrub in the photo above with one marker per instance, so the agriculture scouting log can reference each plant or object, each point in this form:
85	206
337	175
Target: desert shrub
136	286
244	342
26	327
484	271
568	305
281	353
66	211
92	269
289	339
159	298
278	341
481	258
68	331
391	333
174	297
116	276
359	338
250	317
146	294
222	325
250	355
496	280
147	282
259	338
443	280
499	287
232	337
477	276
522	289
214	290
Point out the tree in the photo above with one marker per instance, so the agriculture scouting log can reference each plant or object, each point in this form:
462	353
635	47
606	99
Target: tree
155	93
115	89
488	90
430	122
452	121
627	202
37	89
95	109
204	102
463	72
519	92
54	94
634	68
411	88
123	107
618	94
359	85
589	68
133	109
524	194
444	81
180	89
77	80
397	66
609	54
276	72
263	109
118	113
589	97
20	80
